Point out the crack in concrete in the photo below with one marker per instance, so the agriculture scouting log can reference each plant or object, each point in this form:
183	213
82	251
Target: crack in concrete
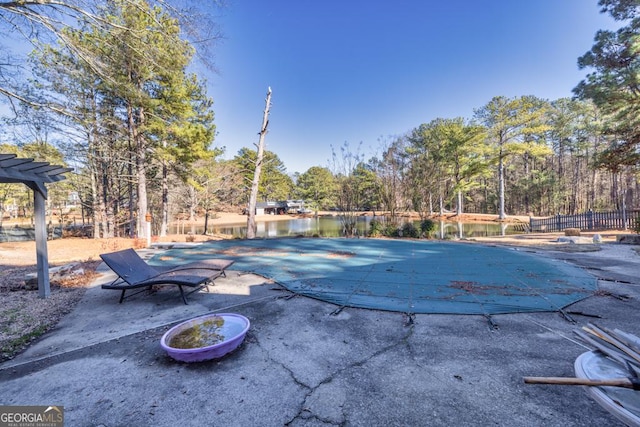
305	413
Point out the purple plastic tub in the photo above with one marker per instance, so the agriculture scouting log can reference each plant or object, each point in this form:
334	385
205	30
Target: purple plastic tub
229	329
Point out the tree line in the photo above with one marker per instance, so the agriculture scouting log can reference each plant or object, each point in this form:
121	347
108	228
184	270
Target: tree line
139	128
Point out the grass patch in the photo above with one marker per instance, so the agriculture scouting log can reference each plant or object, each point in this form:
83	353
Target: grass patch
13	346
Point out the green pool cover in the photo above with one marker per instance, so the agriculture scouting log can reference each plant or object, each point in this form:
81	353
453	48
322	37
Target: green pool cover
407	276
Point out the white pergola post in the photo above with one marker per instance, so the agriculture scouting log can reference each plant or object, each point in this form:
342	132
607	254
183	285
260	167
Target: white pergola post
42	255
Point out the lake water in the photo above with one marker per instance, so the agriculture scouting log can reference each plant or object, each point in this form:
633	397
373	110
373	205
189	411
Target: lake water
332	227
24	233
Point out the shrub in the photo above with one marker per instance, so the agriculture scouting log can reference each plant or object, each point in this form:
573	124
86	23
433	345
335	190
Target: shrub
391	230
375	228
427	227
410	230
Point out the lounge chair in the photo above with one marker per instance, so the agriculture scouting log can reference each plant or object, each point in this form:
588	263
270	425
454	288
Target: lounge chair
134	273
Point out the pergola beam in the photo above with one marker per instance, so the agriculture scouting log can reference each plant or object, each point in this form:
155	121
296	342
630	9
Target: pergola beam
13	162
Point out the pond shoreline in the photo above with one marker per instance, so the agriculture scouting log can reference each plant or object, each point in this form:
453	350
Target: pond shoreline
230	218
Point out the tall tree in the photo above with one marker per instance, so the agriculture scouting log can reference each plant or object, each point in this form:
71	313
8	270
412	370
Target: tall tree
576	139
427	176
446	154
89	121
369	183
458	149
316	186
39	21
614	82
614	86
347	168
348	190
391	171
215	181
515	126
275	184
161	111
183	123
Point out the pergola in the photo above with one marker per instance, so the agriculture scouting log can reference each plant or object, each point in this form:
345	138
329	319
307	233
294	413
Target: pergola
34	175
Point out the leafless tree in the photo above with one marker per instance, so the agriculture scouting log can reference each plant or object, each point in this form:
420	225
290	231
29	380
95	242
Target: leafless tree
251	219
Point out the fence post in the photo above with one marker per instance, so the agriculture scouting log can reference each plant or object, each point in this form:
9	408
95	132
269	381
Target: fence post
589	219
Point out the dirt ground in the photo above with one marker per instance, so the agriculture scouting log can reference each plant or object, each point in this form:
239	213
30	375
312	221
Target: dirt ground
24	316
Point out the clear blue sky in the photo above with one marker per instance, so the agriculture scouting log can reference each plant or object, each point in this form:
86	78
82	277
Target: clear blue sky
365	71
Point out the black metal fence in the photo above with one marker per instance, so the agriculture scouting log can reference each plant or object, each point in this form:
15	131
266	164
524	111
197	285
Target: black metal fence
615	220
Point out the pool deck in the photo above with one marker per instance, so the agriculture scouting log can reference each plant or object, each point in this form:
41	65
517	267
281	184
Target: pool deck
304	363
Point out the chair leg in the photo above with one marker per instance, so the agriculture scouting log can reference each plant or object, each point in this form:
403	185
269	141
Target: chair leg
121	297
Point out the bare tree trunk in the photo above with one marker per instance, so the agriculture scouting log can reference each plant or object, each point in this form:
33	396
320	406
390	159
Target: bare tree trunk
253	197
206	221
97	200
135	119
106	198
92	166
193	202
501	211
577	188
131	230
615	192
111	195
142	195
165	200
